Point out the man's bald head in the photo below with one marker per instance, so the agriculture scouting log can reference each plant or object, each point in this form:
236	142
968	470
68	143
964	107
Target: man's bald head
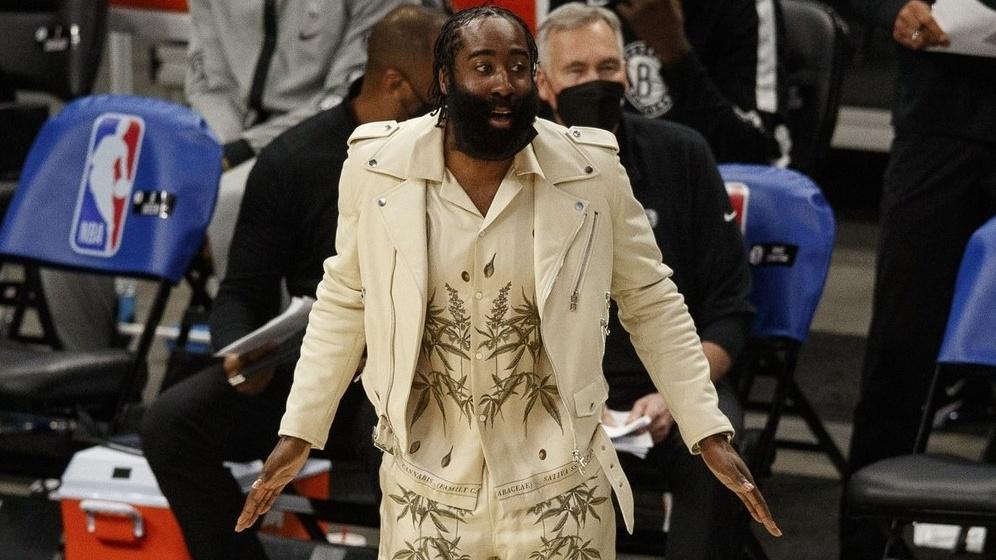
403	39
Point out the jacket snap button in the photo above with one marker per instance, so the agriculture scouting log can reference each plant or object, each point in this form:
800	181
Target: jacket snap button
579	206
542	454
372	163
588	169
387	127
381	202
576	133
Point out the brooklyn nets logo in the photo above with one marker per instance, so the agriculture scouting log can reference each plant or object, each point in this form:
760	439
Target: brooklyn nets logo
647	91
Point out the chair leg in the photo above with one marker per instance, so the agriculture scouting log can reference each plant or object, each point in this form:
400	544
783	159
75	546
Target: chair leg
815	424
895	547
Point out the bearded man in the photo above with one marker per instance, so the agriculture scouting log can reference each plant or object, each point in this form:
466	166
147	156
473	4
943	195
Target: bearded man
477	251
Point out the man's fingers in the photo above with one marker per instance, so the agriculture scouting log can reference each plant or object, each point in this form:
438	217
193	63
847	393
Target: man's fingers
935	35
763	514
251	510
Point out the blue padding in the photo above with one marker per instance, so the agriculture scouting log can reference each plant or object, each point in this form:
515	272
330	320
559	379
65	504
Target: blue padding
789	233
118	184
970	337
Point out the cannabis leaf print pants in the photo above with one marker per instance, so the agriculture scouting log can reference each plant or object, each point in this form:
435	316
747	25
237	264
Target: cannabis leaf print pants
579	524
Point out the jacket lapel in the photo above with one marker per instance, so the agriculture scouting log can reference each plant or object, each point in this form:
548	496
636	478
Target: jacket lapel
403	211
559	214
556	223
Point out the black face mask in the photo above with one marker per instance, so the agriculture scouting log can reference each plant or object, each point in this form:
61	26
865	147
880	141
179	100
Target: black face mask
475	136
597	104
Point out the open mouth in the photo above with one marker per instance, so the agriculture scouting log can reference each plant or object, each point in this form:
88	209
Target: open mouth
501	118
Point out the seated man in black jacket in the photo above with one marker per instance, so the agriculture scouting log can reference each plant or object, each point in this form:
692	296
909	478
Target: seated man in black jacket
711	65
285	230
582	77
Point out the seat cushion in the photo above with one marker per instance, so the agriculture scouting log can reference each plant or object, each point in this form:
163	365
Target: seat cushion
31	378
923	483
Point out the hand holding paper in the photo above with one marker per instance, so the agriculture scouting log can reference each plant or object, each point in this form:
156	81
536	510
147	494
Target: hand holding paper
970	26
292	321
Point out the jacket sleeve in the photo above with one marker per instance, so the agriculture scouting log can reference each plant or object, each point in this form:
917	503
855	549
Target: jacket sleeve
721	272
348	62
210	86
657	320
880	12
334	340
734	102
249	294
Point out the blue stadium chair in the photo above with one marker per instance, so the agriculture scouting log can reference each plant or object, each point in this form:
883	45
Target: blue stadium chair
789	232
114	185
922	487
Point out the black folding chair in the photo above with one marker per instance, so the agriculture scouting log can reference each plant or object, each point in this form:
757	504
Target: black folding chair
922	487
114	185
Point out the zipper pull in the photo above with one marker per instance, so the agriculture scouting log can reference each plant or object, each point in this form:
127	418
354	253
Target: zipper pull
581	461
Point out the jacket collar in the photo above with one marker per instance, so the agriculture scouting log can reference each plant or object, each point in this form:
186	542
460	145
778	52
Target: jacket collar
411	153
414	156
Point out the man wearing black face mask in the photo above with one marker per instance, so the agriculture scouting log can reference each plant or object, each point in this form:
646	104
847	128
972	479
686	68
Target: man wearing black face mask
674	176
285	230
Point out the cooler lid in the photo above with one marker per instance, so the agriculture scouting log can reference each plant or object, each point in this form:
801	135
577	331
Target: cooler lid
102	473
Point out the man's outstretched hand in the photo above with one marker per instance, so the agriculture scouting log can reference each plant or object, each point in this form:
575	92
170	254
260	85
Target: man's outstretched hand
726	464
283	464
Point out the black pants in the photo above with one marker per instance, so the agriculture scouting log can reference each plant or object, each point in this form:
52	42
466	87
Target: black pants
706	518
937	191
199	423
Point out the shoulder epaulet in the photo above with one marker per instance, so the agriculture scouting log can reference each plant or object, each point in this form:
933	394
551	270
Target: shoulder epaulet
593	137
368	131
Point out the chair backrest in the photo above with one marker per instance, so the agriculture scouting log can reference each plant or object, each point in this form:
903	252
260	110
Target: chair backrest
789	232
815	56
53	45
970	337
116	184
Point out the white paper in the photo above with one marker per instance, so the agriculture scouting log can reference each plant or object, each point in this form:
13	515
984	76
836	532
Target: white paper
622	436
292	321
969	24
621	428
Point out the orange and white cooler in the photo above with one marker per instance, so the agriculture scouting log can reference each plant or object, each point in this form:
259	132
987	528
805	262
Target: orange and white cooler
112	508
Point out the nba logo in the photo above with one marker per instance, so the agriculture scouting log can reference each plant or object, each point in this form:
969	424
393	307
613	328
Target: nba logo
105	188
739	194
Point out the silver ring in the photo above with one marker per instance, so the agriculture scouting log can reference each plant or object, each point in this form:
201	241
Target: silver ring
916	35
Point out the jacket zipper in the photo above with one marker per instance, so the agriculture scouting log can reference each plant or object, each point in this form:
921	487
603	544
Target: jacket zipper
576	293
580	460
378	442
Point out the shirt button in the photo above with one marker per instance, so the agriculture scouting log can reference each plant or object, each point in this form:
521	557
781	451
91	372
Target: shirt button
479	356
579	206
478	295
484	417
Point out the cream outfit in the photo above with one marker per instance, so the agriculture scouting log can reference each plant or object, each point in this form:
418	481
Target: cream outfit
590	240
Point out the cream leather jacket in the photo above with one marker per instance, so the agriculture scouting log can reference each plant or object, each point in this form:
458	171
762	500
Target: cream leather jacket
592	242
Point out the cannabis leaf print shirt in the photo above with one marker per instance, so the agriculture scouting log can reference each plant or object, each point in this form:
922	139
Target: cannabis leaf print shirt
483	389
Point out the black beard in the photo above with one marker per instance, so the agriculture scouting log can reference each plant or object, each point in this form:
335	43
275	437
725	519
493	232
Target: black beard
475	136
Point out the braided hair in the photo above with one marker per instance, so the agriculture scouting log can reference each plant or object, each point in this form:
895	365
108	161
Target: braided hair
450	41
